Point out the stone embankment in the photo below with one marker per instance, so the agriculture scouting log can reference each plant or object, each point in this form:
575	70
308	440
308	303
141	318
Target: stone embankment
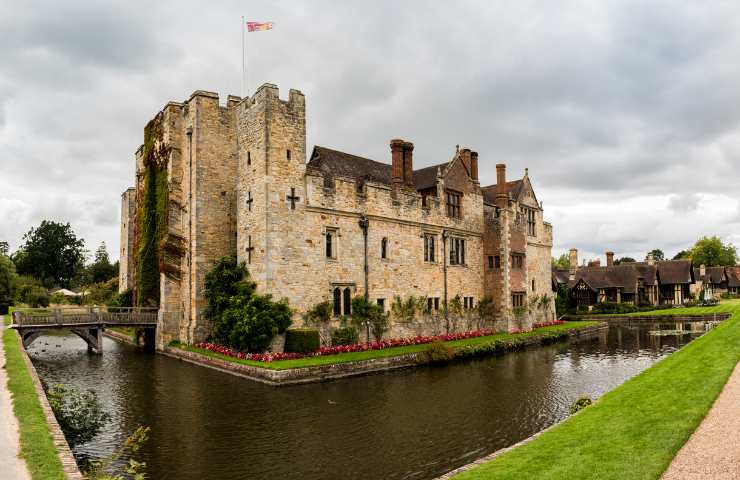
346	369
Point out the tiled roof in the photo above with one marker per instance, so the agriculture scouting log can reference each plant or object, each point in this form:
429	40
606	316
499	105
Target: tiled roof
625	275
715	275
560	275
335	163
675	271
512	188
733	276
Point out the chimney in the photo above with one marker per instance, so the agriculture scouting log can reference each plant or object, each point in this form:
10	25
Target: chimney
702	271
573	261
408	164
502	197
474	166
397	161
650	259
594	263
465	157
609	259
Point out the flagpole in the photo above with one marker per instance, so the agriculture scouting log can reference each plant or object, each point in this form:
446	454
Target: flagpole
244	66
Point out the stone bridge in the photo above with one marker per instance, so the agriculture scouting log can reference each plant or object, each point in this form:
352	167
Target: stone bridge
87	323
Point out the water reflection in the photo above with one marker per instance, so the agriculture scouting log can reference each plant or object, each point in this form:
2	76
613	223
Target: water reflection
414	423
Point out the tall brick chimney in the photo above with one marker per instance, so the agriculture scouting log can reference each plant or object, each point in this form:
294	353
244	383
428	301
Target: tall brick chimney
465	157
408	164
397	161
502	197
609	259
474	166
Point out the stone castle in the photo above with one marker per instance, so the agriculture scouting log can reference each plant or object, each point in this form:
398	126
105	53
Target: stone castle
327	227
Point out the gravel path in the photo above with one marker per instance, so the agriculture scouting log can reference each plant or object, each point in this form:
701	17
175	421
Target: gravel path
11	466
713	450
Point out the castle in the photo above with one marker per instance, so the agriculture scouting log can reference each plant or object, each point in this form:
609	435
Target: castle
213	180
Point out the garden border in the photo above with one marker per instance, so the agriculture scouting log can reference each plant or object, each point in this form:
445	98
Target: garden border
334	371
705	317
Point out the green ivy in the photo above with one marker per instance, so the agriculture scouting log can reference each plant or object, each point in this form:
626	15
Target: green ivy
152	214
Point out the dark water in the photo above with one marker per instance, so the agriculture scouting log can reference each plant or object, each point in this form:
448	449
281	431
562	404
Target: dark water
409	424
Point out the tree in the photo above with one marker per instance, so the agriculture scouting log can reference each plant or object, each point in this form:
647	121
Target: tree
8	283
710	251
4	248
101	270
369	315
561	262
52	253
80	414
624	260
657	254
682	255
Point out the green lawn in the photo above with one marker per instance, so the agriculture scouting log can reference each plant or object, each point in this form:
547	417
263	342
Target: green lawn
37	446
387	352
635	430
725	306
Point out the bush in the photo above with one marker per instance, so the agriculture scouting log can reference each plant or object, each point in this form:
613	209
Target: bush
33	295
123	299
321	313
250	323
612	307
370	315
79	414
344	336
439	352
302	340
580	404
4	307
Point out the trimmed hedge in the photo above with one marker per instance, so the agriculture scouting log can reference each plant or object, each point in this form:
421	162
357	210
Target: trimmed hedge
302	340
344	336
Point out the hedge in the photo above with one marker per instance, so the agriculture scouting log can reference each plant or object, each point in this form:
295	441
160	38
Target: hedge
302	340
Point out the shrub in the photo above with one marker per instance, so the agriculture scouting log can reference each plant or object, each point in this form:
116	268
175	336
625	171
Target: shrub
79	414
438	352
369	315
320	313
33	295
302	340
344	336
582	402
123	299
250	323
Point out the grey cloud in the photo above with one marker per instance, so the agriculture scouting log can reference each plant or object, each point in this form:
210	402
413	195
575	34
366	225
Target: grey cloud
684	203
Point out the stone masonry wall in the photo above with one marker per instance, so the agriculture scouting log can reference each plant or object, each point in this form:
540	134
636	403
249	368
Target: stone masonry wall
127	255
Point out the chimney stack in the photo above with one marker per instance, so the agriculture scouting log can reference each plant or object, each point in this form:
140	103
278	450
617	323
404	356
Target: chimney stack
465	157
502	197
650	259
474	166
609	259
573	262
397	161
408	164
702	271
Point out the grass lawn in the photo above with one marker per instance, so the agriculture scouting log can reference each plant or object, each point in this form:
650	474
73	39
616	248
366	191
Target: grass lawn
387	352
725	306
635	430
37	446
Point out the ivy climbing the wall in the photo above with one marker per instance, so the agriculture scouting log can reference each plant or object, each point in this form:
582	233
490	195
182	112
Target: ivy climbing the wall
152	214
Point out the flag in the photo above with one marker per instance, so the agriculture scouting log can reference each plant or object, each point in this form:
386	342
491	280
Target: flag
258	26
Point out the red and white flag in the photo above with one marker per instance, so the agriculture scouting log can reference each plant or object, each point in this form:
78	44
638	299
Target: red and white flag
259	26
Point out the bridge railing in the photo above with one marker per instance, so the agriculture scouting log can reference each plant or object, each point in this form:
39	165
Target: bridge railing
115	316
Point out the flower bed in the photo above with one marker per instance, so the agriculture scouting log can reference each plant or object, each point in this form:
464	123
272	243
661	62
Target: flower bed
548	324
358	347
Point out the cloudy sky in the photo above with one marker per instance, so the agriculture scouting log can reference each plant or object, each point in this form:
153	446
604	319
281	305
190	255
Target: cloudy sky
626	113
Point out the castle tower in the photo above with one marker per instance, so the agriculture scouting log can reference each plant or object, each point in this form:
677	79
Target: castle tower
271	135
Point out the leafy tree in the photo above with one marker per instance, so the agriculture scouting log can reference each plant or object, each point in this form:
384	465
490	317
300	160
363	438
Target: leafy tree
4	248
624	260
33	295
561	262
101	270
369	315
226	279
51	253
682	255
404	310
320	313
710	251
657	254
8	283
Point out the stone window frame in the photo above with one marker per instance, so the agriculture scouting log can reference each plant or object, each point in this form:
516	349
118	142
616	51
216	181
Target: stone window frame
430	255
384	249
453	204
334	234
346	291
517	261
517	299
468	303
530	216
381	303
456	254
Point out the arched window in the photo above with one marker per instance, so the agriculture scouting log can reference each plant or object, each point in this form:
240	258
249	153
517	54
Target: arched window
337	302
384	248
347	301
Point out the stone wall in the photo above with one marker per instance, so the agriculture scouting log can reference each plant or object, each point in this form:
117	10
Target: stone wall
127	255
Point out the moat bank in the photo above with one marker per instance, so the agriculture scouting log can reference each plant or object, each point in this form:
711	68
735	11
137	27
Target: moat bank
411	423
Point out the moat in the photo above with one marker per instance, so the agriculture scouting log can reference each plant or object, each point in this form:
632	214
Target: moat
410	424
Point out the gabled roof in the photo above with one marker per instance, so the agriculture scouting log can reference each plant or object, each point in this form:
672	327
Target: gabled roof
335	163
675	271
560	275
715	275
623	276
733	276
512	188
